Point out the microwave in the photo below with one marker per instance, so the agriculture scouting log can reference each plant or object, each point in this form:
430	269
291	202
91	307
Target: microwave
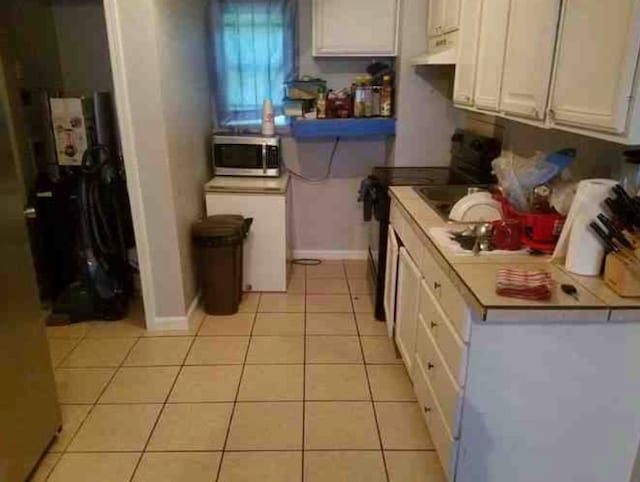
246	155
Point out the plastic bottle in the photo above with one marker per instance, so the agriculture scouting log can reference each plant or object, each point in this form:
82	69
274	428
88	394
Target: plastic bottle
358	100
368	97
268	121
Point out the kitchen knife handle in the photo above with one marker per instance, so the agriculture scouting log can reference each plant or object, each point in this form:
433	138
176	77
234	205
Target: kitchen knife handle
609	246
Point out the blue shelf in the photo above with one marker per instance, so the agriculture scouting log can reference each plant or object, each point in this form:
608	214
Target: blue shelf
353	127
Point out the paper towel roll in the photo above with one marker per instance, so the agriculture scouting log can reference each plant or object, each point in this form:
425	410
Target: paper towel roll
580	246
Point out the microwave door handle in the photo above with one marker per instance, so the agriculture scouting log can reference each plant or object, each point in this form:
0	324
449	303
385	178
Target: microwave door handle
264	158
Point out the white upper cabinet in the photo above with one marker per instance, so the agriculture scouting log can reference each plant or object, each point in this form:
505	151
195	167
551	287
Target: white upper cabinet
529	57
598	44
491	46
435	18
443	17
451	16
352	28
465	79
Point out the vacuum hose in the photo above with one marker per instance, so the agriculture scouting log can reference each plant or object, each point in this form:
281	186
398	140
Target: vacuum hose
96	174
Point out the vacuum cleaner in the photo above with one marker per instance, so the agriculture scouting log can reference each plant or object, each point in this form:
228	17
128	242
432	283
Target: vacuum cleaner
104	285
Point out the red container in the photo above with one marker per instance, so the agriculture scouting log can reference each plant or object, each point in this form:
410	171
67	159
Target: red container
540	231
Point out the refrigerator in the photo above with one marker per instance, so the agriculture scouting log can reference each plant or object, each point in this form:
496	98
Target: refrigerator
29	411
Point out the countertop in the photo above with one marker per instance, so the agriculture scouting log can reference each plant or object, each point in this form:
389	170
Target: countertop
249	185
475	278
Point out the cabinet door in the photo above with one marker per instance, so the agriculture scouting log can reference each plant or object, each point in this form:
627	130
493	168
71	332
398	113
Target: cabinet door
597	51
465	78
355	28
451	15
390	280
491	44
407	308
529	57
435	19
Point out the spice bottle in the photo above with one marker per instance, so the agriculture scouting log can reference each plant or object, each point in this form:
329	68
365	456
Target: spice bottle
359	100
386	102
368	97
321	104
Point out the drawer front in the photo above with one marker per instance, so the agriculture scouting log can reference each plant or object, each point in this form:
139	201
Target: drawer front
453	349
396	219
446	445
447	392
445	293
412	242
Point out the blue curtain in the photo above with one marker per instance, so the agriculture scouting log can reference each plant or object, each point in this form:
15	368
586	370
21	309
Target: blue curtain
254	54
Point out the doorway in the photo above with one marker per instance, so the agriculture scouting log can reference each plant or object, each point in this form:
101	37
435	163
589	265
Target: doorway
77	210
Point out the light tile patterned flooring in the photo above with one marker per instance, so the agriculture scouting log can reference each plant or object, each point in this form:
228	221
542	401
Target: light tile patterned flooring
303	386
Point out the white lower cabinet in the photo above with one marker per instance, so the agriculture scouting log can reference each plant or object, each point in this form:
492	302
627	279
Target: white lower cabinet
430	342
390	280
446	445
511	401
409	279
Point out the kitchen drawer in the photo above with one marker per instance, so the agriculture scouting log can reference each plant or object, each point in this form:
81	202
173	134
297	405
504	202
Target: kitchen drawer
453	349
447	392
407	231
446	445
396	219
445	293
412	241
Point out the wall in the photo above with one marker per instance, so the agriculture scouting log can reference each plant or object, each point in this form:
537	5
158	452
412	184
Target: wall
148	40
83	45
425	111
327	217
182	33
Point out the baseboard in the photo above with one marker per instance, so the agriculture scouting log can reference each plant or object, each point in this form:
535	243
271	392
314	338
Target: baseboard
177	322
329	254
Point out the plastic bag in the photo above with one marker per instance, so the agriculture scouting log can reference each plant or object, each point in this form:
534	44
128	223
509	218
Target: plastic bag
519	175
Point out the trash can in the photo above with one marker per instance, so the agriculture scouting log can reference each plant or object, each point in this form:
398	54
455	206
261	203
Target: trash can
219	244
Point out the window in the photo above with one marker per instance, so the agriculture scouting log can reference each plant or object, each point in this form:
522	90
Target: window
254	49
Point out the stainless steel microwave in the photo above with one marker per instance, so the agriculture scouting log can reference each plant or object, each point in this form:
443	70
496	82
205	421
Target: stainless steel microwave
246	155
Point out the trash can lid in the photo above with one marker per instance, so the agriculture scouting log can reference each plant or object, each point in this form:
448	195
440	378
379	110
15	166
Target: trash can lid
225	228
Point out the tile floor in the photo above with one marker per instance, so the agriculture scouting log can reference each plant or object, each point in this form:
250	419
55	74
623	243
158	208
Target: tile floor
303	386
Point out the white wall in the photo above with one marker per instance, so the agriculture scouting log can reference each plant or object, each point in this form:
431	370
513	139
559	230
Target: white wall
182	40
83	45
426	114
160	97
327	216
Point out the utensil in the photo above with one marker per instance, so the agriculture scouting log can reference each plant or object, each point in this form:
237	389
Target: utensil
614	231
604	237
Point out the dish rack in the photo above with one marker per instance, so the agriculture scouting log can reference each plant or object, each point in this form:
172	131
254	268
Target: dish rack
540	231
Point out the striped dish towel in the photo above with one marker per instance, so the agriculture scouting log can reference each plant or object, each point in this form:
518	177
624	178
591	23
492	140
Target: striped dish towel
528	285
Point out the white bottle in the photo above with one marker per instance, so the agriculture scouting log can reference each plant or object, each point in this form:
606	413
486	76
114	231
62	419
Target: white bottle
268	121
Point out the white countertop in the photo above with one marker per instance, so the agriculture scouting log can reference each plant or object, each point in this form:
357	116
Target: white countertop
250	185
477	274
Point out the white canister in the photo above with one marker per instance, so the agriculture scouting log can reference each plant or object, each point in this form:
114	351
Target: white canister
268	120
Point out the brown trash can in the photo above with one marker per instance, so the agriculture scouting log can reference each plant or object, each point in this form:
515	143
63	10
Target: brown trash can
219	244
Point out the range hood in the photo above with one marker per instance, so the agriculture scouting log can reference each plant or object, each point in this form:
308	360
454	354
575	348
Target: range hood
443	57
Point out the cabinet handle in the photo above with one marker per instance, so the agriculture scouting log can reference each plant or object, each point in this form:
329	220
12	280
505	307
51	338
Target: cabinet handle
426	409
433	325
430	366
436	285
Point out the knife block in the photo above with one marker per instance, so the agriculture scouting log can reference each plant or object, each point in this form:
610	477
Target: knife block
622	275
